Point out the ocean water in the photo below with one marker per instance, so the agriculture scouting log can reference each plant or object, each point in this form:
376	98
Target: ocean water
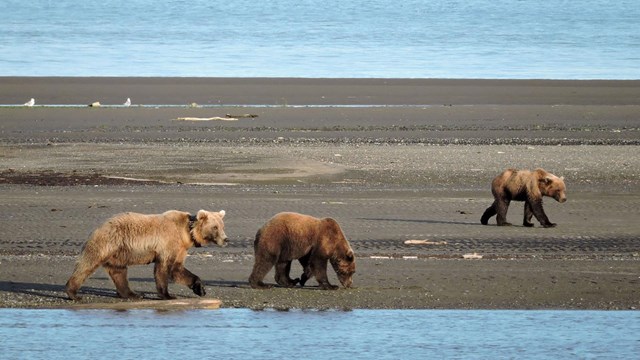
544	39
358	334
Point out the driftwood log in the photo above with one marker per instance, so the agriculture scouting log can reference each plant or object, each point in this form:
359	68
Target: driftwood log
176	304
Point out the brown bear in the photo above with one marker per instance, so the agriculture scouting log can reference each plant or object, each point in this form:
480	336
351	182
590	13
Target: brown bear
137	239
527	186
314	242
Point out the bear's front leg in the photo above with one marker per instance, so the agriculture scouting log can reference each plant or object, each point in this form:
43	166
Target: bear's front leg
320	271
161	275
304	278
185	277
538	212
306	269
549	224
197	287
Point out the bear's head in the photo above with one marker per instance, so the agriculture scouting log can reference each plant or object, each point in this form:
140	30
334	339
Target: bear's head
209	228
344	266
553	186
342	260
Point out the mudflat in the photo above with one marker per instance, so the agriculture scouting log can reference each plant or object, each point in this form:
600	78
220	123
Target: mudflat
392	160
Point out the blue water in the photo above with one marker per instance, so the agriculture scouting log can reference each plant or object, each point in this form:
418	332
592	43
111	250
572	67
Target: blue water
358	334
550	39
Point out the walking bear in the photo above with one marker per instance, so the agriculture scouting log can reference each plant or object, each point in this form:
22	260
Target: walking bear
313	242
527	186
137	239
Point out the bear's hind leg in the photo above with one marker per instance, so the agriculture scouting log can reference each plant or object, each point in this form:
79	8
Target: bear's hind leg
283	269
118	275
491	211
261	266
85	266
528	214
501	209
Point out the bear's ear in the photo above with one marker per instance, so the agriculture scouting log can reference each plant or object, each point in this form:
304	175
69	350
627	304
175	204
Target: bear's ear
349	256
548	179
222	212
202	215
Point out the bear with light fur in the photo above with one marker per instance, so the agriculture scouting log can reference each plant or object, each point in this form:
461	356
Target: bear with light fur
138	239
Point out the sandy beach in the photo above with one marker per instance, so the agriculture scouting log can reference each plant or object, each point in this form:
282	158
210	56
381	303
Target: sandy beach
391	160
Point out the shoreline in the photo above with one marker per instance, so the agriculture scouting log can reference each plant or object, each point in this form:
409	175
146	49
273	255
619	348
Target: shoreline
469	284
310	91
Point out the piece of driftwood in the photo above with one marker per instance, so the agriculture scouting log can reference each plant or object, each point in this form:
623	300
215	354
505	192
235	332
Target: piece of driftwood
472	256
424	242
176	304
206	119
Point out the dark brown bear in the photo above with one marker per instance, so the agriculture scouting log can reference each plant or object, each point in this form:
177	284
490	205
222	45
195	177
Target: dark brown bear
314	242
527	186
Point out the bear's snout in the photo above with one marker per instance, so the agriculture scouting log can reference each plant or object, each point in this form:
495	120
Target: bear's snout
222	242
346	282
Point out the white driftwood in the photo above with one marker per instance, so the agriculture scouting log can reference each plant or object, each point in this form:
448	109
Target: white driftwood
177	304
424	242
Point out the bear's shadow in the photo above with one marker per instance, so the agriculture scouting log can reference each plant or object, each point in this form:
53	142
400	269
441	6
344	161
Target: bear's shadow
212	283
222	283
245	284
423	221
53	291
50	291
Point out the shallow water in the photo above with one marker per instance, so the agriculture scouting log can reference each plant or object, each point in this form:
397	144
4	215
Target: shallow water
589	39
358	334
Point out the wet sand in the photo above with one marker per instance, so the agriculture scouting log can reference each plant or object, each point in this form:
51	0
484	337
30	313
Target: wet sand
388	174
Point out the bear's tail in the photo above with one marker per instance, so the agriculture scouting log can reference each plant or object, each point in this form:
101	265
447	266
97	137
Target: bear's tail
257	240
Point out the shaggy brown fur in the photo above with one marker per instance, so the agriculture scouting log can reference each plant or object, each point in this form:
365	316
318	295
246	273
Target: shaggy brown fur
137	239
527	186
314	242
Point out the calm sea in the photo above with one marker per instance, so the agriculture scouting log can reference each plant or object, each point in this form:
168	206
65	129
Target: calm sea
358	334
550	39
